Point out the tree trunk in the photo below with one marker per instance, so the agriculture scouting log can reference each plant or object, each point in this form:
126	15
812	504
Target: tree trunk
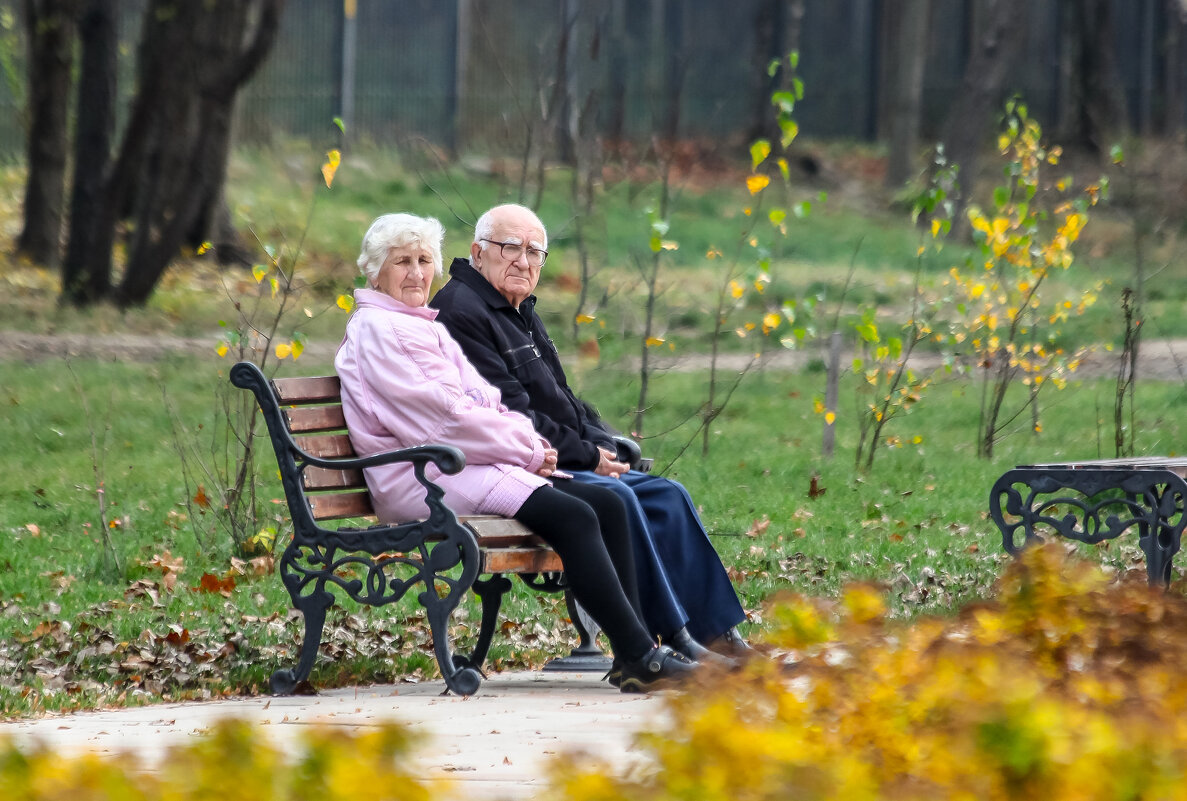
675	67
910	54
194	58
995	44
95	130
1095	112
1174	66
770	44
50	29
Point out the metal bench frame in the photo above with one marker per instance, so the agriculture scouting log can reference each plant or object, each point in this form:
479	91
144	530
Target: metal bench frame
1094	501
441	557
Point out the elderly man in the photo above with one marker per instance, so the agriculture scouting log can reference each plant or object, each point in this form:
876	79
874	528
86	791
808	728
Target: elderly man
489	308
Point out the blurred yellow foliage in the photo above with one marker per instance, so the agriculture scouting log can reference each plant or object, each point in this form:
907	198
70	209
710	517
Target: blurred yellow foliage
233	763
1067	687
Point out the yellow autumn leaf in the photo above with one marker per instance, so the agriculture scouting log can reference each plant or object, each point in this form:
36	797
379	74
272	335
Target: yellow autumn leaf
585	318
258	271
818	406
345	302
298	348
770	322
275	282
757	183
653	341
328	170
830	417
222	349
204	248
759	152
935	227
736	290
283	350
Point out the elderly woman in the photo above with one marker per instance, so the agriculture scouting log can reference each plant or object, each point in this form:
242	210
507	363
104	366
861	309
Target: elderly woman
405	382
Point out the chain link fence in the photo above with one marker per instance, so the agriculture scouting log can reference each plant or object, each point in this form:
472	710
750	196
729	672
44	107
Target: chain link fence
497	76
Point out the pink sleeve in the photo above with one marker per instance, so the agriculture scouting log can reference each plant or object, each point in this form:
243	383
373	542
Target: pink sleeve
421	396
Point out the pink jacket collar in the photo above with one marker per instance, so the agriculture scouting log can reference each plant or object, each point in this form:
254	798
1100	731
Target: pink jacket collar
381	300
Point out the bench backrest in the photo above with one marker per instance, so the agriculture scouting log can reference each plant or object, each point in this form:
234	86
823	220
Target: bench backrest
312	410
308	411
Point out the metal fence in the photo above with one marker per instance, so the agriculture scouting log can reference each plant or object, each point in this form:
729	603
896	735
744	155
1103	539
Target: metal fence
481	74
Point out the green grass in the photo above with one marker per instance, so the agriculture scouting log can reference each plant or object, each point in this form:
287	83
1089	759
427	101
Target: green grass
917	523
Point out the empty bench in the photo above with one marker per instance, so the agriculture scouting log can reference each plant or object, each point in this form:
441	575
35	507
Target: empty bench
1093	501
440	558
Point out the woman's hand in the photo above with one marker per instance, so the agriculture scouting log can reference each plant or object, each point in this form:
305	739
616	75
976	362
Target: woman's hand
608	464
549	465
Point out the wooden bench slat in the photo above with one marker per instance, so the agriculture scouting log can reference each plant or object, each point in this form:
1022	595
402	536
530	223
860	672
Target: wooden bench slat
500	532
327	446
310	389
320	478
342	504
305	420
520	560
1176	465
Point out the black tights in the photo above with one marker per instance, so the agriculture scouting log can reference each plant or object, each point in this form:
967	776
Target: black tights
586	526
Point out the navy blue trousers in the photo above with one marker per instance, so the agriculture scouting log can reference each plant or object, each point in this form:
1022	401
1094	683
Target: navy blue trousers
681	579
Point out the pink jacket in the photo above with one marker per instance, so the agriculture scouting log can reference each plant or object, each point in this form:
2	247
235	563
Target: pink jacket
405	382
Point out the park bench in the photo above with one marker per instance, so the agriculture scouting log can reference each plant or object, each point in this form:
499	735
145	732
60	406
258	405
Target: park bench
441	557
1093	501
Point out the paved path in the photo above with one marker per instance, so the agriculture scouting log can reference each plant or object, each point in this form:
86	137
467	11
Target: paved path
492	745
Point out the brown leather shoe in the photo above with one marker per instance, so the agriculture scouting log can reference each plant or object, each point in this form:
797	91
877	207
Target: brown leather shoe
732	645
683	642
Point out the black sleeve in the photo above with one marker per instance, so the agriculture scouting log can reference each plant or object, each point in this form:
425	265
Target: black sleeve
478	341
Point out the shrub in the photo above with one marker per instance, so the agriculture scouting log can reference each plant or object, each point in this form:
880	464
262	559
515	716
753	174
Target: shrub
234	763
1067	686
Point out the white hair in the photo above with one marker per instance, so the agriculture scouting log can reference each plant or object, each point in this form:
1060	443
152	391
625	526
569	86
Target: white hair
397	231
485	227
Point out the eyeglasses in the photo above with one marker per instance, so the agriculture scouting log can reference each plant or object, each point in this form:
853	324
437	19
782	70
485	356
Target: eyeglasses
513	250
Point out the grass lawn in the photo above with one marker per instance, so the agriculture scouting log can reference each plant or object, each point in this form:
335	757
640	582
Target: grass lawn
105	603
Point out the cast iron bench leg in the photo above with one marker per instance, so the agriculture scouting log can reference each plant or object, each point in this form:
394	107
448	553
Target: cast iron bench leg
313	609
491	590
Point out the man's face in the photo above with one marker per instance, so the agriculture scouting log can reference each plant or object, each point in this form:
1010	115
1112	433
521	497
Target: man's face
516	278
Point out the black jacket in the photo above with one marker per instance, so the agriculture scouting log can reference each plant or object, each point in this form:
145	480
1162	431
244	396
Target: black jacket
511	349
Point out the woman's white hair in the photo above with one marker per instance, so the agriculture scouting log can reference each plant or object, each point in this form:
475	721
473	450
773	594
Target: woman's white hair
397	231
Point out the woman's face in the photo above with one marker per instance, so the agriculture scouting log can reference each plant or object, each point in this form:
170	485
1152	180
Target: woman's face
406	274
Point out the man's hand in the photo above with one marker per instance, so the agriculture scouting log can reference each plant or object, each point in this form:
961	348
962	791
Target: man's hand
549	466
607	466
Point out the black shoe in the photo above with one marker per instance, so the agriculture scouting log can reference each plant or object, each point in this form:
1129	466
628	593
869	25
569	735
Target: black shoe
614	674
732	645
659	668
683	642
